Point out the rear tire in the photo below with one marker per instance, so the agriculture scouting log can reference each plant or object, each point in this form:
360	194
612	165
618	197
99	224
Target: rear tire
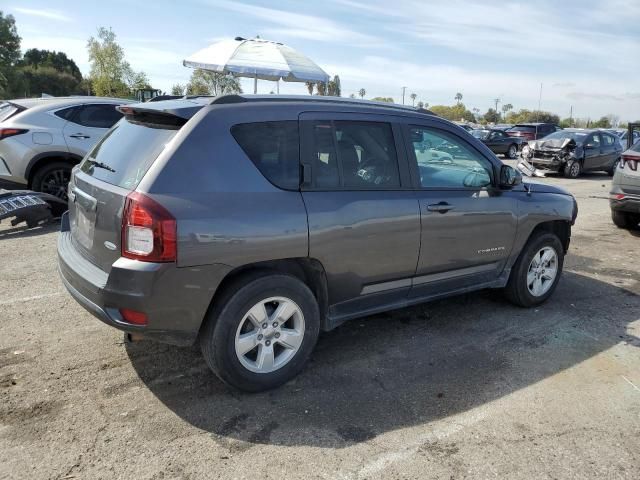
572	169
53	179
531	281
625	220
234	321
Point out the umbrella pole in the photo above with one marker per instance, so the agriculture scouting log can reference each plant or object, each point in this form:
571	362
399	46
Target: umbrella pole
255	84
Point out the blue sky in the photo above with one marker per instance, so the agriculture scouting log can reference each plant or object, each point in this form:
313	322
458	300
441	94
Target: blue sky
581	51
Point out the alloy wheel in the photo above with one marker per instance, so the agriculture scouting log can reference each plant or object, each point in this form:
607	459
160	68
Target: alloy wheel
55	183
269	335
542	271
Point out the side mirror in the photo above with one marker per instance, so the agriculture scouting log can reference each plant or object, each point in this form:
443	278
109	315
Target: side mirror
509	177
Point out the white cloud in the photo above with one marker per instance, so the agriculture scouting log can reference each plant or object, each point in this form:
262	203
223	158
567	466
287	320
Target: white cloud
298	25
48	14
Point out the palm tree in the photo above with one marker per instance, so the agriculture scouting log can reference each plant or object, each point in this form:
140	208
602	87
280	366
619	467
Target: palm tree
310	86
421	104
458	97
353	95
362	92
413	97
505	108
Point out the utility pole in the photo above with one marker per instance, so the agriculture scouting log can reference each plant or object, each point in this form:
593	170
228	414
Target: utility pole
497	100
571	116
404	89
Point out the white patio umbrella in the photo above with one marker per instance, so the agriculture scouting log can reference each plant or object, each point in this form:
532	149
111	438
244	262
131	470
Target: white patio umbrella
258	59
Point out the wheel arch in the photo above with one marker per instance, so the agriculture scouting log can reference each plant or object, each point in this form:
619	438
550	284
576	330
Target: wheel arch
560	228
308	270
44	158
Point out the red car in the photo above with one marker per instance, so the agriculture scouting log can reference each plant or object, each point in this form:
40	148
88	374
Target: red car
532	131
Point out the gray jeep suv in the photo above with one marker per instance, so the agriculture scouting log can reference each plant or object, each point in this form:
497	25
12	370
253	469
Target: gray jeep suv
252	223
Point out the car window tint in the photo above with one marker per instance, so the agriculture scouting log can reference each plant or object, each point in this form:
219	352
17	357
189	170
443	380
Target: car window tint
350	154
274	148
66	113
446	161
97	116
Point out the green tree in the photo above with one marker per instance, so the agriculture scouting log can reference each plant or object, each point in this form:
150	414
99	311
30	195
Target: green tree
56	60
420	104
362	92
177	89
491	116
602	123
382	99
44	71
111	74
506	108
524	116
204	82
566	123
413	97
458	98
9	56
456	112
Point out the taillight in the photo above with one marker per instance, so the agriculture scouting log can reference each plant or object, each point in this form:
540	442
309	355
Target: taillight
148	230
629	161
10	132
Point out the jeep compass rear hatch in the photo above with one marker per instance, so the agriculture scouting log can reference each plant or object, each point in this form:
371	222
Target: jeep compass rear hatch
105	181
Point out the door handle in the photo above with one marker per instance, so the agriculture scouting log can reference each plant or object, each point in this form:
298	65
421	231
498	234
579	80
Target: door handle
79	135
442	207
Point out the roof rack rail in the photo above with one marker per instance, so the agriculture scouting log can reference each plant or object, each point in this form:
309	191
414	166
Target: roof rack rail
228	99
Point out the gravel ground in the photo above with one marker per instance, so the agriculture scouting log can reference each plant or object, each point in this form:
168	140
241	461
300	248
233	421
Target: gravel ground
469	387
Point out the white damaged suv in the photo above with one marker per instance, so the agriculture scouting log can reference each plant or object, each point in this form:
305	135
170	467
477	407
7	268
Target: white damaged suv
41	139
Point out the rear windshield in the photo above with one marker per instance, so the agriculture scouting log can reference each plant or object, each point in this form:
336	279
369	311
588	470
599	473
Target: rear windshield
6	110
125	153
481	134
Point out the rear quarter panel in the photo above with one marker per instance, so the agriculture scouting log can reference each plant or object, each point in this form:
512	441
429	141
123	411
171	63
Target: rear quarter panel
227	211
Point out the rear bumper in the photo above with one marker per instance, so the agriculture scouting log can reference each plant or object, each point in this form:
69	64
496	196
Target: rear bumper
175	299
630	204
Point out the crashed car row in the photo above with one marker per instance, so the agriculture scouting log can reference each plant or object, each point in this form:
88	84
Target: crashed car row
573	151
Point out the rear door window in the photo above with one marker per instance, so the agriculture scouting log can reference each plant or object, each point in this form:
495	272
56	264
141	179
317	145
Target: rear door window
353	155
274	148
97	116
125	153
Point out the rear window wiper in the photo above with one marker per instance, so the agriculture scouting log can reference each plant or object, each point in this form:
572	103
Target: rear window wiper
100	165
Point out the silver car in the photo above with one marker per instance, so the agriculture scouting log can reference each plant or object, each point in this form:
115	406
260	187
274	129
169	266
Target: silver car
41	139
624	198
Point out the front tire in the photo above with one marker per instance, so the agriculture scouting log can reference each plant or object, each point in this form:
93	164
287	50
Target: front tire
625	220
572	169
512	152
535	275
261	332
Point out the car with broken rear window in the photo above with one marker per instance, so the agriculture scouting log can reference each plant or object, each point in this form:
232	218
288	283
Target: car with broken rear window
573	151
249	224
